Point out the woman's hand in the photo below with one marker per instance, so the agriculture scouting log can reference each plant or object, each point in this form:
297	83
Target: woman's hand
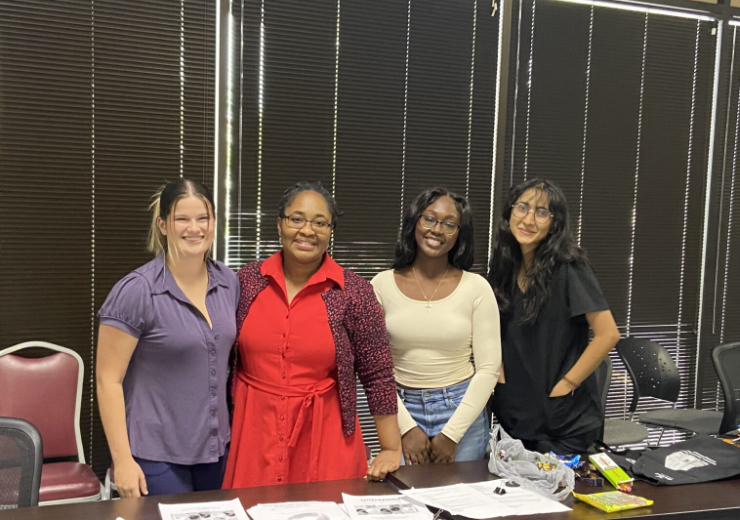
416	446
385	462
562	388
443	449
129	479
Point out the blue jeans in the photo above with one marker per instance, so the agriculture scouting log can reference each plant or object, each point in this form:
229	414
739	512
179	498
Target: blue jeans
431	408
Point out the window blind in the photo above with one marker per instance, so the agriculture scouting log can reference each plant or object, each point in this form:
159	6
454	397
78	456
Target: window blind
377	100
616	111
100	102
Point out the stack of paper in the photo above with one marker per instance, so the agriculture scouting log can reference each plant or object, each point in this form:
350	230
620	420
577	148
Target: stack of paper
479	500
226	510
297	511
384	507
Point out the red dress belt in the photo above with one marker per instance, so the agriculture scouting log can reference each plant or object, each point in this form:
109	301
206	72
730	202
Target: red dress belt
313	397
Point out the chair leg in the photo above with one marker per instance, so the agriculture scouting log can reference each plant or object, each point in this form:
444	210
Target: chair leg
660	437
106	486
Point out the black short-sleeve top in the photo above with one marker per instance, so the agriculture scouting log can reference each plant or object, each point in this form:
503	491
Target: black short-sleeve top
537	355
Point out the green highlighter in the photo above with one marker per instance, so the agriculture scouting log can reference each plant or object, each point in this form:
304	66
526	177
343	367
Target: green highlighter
612	472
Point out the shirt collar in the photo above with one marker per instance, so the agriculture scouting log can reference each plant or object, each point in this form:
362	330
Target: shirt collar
165	282
329	270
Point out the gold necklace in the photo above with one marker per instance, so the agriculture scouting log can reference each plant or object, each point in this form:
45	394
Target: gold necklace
429	300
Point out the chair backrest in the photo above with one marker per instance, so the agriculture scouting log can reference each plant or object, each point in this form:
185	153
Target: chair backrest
726	359
652	369
603	375
20	463
47	392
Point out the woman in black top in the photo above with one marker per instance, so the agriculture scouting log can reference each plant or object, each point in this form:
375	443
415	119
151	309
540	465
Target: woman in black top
548	296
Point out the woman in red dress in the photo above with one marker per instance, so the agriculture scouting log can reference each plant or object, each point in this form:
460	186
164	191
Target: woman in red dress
306	327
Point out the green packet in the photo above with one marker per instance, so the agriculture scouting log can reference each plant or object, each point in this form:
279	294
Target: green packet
612	501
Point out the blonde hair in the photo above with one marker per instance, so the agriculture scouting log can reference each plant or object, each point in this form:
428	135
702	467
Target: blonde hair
162	205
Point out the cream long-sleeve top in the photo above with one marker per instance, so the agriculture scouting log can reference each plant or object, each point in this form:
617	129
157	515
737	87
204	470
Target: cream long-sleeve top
432	347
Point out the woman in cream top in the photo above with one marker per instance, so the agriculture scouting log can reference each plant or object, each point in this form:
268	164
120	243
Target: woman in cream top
438	314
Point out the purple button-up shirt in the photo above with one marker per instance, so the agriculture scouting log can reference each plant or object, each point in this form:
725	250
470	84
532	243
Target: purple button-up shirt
175	385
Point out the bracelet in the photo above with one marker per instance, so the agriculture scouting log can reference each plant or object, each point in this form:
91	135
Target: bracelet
571	383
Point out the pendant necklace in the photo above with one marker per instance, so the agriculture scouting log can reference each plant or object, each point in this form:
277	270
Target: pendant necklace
429	300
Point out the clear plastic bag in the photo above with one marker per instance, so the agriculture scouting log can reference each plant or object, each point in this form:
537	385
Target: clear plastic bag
542	473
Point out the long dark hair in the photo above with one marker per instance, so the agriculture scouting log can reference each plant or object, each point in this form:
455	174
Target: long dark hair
556	248
461	254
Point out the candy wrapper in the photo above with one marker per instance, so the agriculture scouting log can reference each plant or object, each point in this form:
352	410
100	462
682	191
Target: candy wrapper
613	501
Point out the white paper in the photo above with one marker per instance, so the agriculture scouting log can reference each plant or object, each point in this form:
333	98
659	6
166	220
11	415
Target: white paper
384	507
225	510
478	500
297	511
519	501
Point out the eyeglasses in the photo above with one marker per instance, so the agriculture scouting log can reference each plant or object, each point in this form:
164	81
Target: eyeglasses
448	227
319	225
522	209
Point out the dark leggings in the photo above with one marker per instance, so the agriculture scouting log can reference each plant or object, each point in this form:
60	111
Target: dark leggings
164	478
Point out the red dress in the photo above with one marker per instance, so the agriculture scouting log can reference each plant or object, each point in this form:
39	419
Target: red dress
287	424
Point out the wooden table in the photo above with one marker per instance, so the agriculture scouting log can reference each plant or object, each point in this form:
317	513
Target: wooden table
147	508
710	501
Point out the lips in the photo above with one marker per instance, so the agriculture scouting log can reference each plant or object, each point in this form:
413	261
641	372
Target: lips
433	241
305	245
526	233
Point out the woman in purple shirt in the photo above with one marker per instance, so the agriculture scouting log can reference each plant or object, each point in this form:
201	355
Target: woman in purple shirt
166	331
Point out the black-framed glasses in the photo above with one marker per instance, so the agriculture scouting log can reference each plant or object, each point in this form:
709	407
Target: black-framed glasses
448	227
319	225
522	209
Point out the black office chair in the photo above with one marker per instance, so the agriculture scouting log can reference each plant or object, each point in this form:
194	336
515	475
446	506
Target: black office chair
615	432
726	359
655	374
21	458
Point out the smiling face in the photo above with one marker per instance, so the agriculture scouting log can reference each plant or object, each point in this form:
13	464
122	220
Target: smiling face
526	230
434	242
305	244
189	227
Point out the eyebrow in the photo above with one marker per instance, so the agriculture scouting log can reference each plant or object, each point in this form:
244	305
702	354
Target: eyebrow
536	207
447	217
303	214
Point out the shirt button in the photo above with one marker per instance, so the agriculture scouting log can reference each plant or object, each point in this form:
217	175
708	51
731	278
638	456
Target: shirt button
213	413
282	417
213	372
280	458
213	392
283	376
214	432
282	398
280	479
281	438
213	352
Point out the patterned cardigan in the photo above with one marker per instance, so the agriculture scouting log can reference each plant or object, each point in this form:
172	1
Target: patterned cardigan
358	326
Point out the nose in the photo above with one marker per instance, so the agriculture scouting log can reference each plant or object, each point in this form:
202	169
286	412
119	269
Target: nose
529	218
307	224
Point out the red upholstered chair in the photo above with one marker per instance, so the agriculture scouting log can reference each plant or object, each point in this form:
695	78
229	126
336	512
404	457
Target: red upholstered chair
47	392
